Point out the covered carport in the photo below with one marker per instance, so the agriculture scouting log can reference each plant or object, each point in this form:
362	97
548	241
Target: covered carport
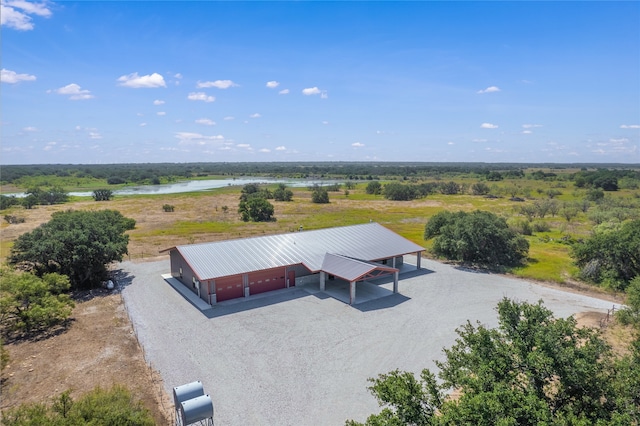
354	270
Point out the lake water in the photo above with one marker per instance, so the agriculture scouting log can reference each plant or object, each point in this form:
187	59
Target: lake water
196	186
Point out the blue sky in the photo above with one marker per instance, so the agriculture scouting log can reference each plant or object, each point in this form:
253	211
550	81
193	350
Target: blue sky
143	81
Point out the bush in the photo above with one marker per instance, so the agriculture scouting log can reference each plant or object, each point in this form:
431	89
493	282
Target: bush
29	304
399	192
522	227
479	237
282	193
102	194
373	188
541	226
168	208
320	195
116	180
480	188
115	406
8	201
12	219
449	188
610	257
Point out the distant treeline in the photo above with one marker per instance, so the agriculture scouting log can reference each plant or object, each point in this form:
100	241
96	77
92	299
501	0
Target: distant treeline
153	173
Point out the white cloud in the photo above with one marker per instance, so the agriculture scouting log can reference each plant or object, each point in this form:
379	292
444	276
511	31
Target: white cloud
143	124
311	91
75	92
488	126
30	129
618	141
324	95
206	122
95	135
256	115
11	77
527	132
200	96
531	126
450	143
229	118
188	138
272	84
281	148
630	126
178	76
145	81
244	145
479	140
357	144
265	150
158	102
15	13
325	122
616	146
161	113
283	92
220	84
490	89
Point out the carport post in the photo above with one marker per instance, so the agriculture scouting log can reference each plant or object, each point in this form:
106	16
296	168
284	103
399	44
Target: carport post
352	292
395	281
419	257
322	277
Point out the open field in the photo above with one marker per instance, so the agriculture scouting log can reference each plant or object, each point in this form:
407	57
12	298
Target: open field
212	215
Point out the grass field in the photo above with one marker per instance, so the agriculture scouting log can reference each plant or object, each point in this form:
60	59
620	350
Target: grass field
212	215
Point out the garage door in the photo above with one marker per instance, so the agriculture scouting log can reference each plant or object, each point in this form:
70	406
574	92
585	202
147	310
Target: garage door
229	288
268	280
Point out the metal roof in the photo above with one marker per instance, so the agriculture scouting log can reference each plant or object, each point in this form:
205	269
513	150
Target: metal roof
351	269
368	242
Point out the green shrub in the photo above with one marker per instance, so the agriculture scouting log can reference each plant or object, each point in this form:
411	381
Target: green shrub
100	407
540	226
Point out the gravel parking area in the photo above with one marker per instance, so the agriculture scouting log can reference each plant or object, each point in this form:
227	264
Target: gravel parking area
303	358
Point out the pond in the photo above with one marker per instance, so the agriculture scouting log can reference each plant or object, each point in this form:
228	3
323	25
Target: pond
197	186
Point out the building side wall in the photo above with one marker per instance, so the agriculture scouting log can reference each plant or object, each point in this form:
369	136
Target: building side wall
181	270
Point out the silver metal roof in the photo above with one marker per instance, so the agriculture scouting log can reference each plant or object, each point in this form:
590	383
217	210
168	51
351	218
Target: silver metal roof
350	269
368	242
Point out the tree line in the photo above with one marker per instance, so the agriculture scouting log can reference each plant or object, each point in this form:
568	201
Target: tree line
597	175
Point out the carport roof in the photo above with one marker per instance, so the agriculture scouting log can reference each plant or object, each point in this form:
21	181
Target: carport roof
368	242
352	269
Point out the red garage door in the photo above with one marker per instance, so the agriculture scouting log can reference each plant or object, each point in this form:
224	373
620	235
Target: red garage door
267	280
229	288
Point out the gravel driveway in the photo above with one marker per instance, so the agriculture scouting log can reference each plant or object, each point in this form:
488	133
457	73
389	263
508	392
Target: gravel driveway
303	358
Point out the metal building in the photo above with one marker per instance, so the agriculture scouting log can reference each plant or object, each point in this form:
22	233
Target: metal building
224	270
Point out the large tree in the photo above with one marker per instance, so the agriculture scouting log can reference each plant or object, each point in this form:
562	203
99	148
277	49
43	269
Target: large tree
533	369
79	244
478	237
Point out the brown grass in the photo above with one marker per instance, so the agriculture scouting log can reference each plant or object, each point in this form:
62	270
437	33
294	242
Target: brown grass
98	349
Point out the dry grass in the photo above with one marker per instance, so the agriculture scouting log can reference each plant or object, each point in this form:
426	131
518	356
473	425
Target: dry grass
98	349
